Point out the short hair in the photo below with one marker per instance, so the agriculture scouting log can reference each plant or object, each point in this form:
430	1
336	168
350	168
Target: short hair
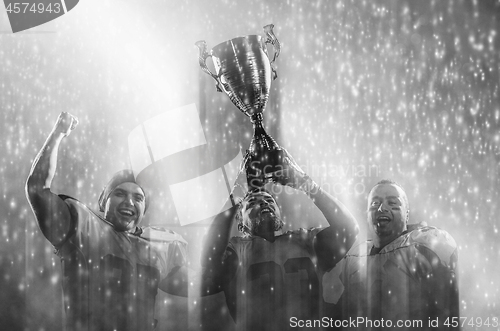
392	182
239	213
123	176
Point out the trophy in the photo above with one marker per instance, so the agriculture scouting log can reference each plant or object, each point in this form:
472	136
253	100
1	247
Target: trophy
243	72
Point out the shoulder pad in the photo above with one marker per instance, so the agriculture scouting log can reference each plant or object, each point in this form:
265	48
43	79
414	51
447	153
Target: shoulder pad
437	240
305	231
76	207
240	238
65	197
161	234
360	248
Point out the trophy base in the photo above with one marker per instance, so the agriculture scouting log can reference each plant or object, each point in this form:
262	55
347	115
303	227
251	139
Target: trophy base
261	168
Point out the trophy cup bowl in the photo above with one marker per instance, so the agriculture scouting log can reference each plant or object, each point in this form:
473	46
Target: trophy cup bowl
243	72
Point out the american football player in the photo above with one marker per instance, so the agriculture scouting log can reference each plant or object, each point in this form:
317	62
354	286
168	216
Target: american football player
406	274
270	277
111	267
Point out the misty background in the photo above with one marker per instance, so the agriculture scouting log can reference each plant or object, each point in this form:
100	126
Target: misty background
366	90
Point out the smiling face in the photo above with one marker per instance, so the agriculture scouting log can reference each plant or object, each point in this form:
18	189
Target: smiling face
388	213
260	214
125	207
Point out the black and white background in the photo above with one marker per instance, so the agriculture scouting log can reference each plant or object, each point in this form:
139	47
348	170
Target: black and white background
406	89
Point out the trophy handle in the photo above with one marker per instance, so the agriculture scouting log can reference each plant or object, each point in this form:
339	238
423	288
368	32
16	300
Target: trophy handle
271	39
202	59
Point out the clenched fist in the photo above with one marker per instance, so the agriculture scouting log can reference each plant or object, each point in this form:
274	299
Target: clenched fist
65	123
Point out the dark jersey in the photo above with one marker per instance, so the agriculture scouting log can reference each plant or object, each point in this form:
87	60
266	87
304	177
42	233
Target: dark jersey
275	281
110	279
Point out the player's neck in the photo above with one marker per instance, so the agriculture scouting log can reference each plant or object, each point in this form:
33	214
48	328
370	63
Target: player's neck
382	242
270	235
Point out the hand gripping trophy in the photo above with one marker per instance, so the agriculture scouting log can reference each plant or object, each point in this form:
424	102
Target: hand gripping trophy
243	72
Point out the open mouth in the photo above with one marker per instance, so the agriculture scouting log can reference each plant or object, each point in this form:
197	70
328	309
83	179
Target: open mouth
383	220
126	212
266	210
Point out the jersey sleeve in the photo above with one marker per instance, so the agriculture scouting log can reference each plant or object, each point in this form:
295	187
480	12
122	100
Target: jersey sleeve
440	242
233	250
177	256
81	215
170	246
308	235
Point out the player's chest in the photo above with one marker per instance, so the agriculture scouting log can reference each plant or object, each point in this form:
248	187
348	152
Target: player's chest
117	254
391	269
274	265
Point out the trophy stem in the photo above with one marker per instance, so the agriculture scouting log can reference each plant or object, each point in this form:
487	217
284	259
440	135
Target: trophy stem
261	141
265	155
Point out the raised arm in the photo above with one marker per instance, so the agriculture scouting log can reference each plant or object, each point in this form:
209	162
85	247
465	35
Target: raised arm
52	214
332	243
218	262
337	239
